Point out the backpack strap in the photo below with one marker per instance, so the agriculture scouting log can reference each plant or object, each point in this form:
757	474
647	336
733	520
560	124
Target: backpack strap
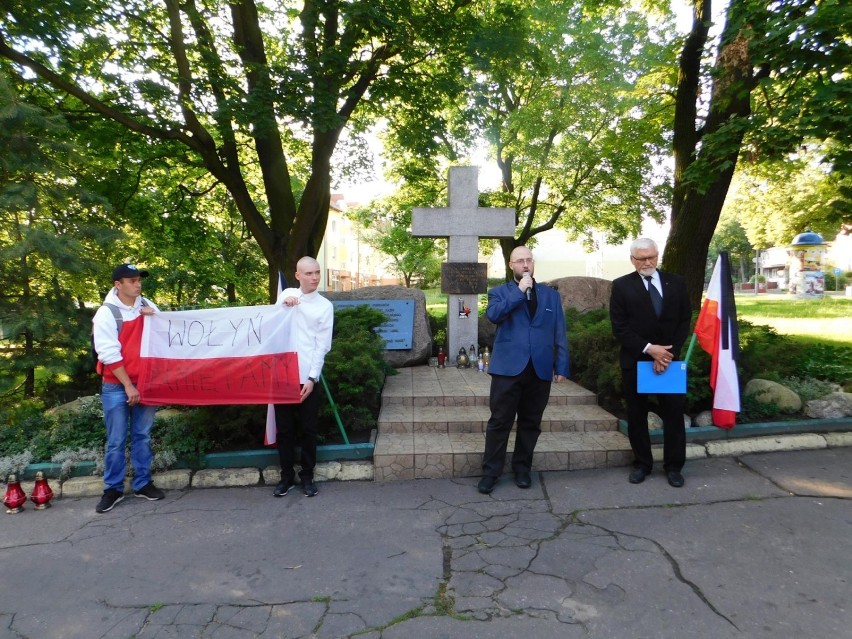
116	313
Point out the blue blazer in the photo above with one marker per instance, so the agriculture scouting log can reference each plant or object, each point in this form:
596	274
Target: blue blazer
520	337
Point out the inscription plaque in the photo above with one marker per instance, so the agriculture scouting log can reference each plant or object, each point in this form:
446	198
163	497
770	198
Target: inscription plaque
398	331
464	278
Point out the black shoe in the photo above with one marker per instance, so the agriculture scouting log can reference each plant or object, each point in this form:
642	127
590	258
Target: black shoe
150	492
283	488
309	488
675	478
486	484
108	500
638	475
522	479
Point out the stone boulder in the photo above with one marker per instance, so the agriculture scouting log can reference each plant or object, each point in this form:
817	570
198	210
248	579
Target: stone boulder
655	422
769	392
582	293
421	343
75	406
487	332
832	406
704	418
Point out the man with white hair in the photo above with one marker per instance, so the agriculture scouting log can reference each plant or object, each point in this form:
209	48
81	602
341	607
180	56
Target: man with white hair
650	315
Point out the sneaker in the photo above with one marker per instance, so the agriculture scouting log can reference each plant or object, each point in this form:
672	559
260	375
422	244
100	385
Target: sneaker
109	499
150	492
283	487
309	488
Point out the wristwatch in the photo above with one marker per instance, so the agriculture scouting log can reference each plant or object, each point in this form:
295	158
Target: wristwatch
313	379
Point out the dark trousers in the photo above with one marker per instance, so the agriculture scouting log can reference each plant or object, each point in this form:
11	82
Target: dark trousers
286	418
671	412
525	396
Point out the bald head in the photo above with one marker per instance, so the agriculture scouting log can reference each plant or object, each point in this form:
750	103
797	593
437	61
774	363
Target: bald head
308	274
521	261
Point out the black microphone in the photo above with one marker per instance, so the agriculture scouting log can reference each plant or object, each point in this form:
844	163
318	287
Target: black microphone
528	291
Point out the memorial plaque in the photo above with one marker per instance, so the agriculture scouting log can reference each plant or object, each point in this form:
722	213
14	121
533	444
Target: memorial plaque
464	278
398	331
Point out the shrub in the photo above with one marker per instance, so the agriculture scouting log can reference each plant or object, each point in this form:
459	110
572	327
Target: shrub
593	352
355	370
764	354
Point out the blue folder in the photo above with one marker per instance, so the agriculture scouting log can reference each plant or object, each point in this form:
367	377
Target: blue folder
673	380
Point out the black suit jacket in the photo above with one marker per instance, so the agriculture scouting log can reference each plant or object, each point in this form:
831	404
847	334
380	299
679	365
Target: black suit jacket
634	322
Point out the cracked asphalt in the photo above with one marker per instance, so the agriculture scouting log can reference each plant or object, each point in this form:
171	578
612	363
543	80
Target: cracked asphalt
755	546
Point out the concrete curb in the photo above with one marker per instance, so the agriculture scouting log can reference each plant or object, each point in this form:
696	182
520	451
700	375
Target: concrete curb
362	470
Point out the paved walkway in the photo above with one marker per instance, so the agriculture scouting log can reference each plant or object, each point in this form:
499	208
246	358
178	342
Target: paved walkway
753	546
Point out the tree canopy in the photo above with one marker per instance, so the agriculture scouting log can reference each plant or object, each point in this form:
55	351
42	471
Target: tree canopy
780	77
563	94
257	94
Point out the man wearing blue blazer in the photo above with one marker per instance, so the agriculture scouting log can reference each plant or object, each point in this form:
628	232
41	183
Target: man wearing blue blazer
650	314
530	351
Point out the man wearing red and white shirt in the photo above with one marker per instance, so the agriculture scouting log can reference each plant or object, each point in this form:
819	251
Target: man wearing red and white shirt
117	345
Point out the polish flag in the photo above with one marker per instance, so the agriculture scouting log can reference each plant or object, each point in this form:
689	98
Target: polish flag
718	334
238	355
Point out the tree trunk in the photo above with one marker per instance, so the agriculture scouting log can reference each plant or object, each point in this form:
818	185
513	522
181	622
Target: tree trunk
699	195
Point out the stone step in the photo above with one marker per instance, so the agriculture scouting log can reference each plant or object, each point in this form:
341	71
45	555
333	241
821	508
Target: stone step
444	455
432	424
401	418
428	386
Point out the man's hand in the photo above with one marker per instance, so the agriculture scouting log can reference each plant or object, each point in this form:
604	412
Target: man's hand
290	301
133	396
558	378
307	389
662	356
146	310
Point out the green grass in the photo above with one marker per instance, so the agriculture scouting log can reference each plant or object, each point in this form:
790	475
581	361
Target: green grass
827	320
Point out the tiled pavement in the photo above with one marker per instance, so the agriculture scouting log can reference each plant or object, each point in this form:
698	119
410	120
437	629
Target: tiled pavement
432	425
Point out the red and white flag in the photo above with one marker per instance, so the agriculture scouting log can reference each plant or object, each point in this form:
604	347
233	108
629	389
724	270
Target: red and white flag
718	334
238	355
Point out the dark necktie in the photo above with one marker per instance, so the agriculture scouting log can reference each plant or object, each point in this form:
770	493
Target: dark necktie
656	298
532	302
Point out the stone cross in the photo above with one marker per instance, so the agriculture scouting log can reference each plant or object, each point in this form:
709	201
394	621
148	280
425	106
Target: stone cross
463	223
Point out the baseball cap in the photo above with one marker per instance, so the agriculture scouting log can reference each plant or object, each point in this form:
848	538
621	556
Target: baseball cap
127	270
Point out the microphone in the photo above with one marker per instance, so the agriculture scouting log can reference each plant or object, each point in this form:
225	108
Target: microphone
529	290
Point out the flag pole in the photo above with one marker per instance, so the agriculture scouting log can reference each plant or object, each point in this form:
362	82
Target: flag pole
334	410
689	350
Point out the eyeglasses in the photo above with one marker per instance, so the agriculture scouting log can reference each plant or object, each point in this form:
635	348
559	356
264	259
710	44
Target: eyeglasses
527	260
650	258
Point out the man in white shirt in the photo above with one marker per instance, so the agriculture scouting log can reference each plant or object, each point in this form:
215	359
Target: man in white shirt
312	325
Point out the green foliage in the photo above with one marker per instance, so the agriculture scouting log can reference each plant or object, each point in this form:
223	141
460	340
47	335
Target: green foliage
808	388
27	427
773	201
807	368
355	370
20	424
594	354
191	433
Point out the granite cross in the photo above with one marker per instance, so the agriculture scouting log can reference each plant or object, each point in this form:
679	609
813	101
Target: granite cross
463	222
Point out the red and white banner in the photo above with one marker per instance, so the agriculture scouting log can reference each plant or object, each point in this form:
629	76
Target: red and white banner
718	334
235	355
